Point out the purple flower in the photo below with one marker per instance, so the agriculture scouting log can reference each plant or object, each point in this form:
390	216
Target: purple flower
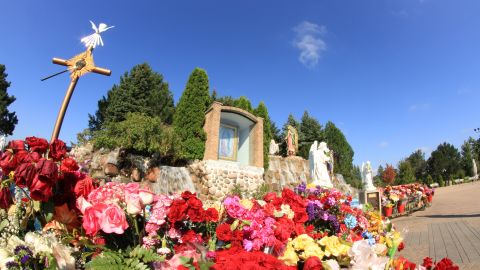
334	222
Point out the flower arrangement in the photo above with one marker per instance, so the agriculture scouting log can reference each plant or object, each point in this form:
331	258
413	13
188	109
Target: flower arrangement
53	216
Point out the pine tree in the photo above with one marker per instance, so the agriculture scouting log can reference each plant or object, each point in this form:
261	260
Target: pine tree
310	130
343	152
406	173
444	161
276	134
140	91
243	103
189	117
261	111
8	119
467	156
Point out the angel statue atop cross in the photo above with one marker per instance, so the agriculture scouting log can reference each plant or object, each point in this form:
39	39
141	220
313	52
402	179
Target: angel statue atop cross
78	66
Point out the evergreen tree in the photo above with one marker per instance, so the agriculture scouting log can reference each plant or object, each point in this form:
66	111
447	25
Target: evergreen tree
261	111
189	117
243	103
377	179
311	131
8	119
276	134
140	91
467	156
406	173
343	152
429	180
444	161
418	164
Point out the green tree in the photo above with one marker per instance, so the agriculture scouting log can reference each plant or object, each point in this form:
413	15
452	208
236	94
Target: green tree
311	131
343	152
418	164
8	119
406	173
243	103
276	134
189	117
444	161
440	180
137	133
377	179
467	156
261	111
141	90
429	180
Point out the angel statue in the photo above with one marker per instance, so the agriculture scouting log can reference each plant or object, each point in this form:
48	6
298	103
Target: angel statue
367	177
319	157
95	39
3	142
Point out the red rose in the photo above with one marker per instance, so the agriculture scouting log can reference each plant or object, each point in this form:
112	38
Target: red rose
401	246
84	186
58	149
427	263
177	211
446	264
211	215
7	162
69	165
21	157
35	144
313	263
24	174
187	195
47	170
5	197
39	190
16	145
223	232
33	157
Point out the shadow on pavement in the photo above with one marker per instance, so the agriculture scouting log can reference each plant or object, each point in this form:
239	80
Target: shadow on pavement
452	216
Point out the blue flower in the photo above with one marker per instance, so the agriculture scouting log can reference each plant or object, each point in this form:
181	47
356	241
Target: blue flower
350	221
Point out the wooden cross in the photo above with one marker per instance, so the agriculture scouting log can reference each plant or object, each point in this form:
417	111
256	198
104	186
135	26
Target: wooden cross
78	66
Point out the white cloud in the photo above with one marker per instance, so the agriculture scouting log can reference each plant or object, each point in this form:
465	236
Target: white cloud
419	107
383	144
309	41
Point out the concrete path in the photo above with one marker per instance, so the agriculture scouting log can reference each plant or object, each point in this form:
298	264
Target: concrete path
450	227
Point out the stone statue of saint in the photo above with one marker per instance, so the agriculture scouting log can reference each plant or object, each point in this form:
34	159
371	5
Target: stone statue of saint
292	141
367	177
319	157
474	169
3	142
273	149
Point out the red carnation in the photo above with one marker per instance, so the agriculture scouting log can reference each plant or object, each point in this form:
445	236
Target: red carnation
211	215
313	263
427	263
5	197
196	215
177	210
69	165
194	203
47	170
446	264
401	246
187	195
58	149
223	232
16	145
35	144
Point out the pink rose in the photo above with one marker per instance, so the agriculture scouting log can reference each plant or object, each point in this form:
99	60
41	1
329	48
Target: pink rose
131	188
92	218
134	205
114	220
146	196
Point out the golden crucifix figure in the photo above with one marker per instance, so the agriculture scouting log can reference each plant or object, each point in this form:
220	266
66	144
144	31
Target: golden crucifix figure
78	66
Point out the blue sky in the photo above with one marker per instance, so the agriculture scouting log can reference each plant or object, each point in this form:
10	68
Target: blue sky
394	75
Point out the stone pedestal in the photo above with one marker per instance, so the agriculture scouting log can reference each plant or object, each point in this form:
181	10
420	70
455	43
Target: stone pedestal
374	198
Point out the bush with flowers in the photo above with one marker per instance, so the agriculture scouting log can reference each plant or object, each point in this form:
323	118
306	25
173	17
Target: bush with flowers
56	217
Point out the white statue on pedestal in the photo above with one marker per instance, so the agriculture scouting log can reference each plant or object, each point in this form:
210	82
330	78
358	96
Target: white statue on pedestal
3	142
474	169
273	149
318	159
367	177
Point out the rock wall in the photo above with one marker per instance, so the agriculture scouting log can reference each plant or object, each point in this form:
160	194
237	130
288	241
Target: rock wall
286	172
169	180
216	178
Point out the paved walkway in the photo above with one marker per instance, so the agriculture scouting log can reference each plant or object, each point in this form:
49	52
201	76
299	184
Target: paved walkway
450	227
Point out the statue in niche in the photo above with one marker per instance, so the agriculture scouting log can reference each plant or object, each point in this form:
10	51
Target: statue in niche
319	158
273	149
367	177
292	140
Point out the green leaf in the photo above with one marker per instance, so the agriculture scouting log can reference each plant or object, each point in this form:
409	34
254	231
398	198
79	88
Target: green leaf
3	224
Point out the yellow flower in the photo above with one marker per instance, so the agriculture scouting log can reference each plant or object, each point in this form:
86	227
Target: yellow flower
287	211
302	241
248	204
311	185
333	246
289	257
312	249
